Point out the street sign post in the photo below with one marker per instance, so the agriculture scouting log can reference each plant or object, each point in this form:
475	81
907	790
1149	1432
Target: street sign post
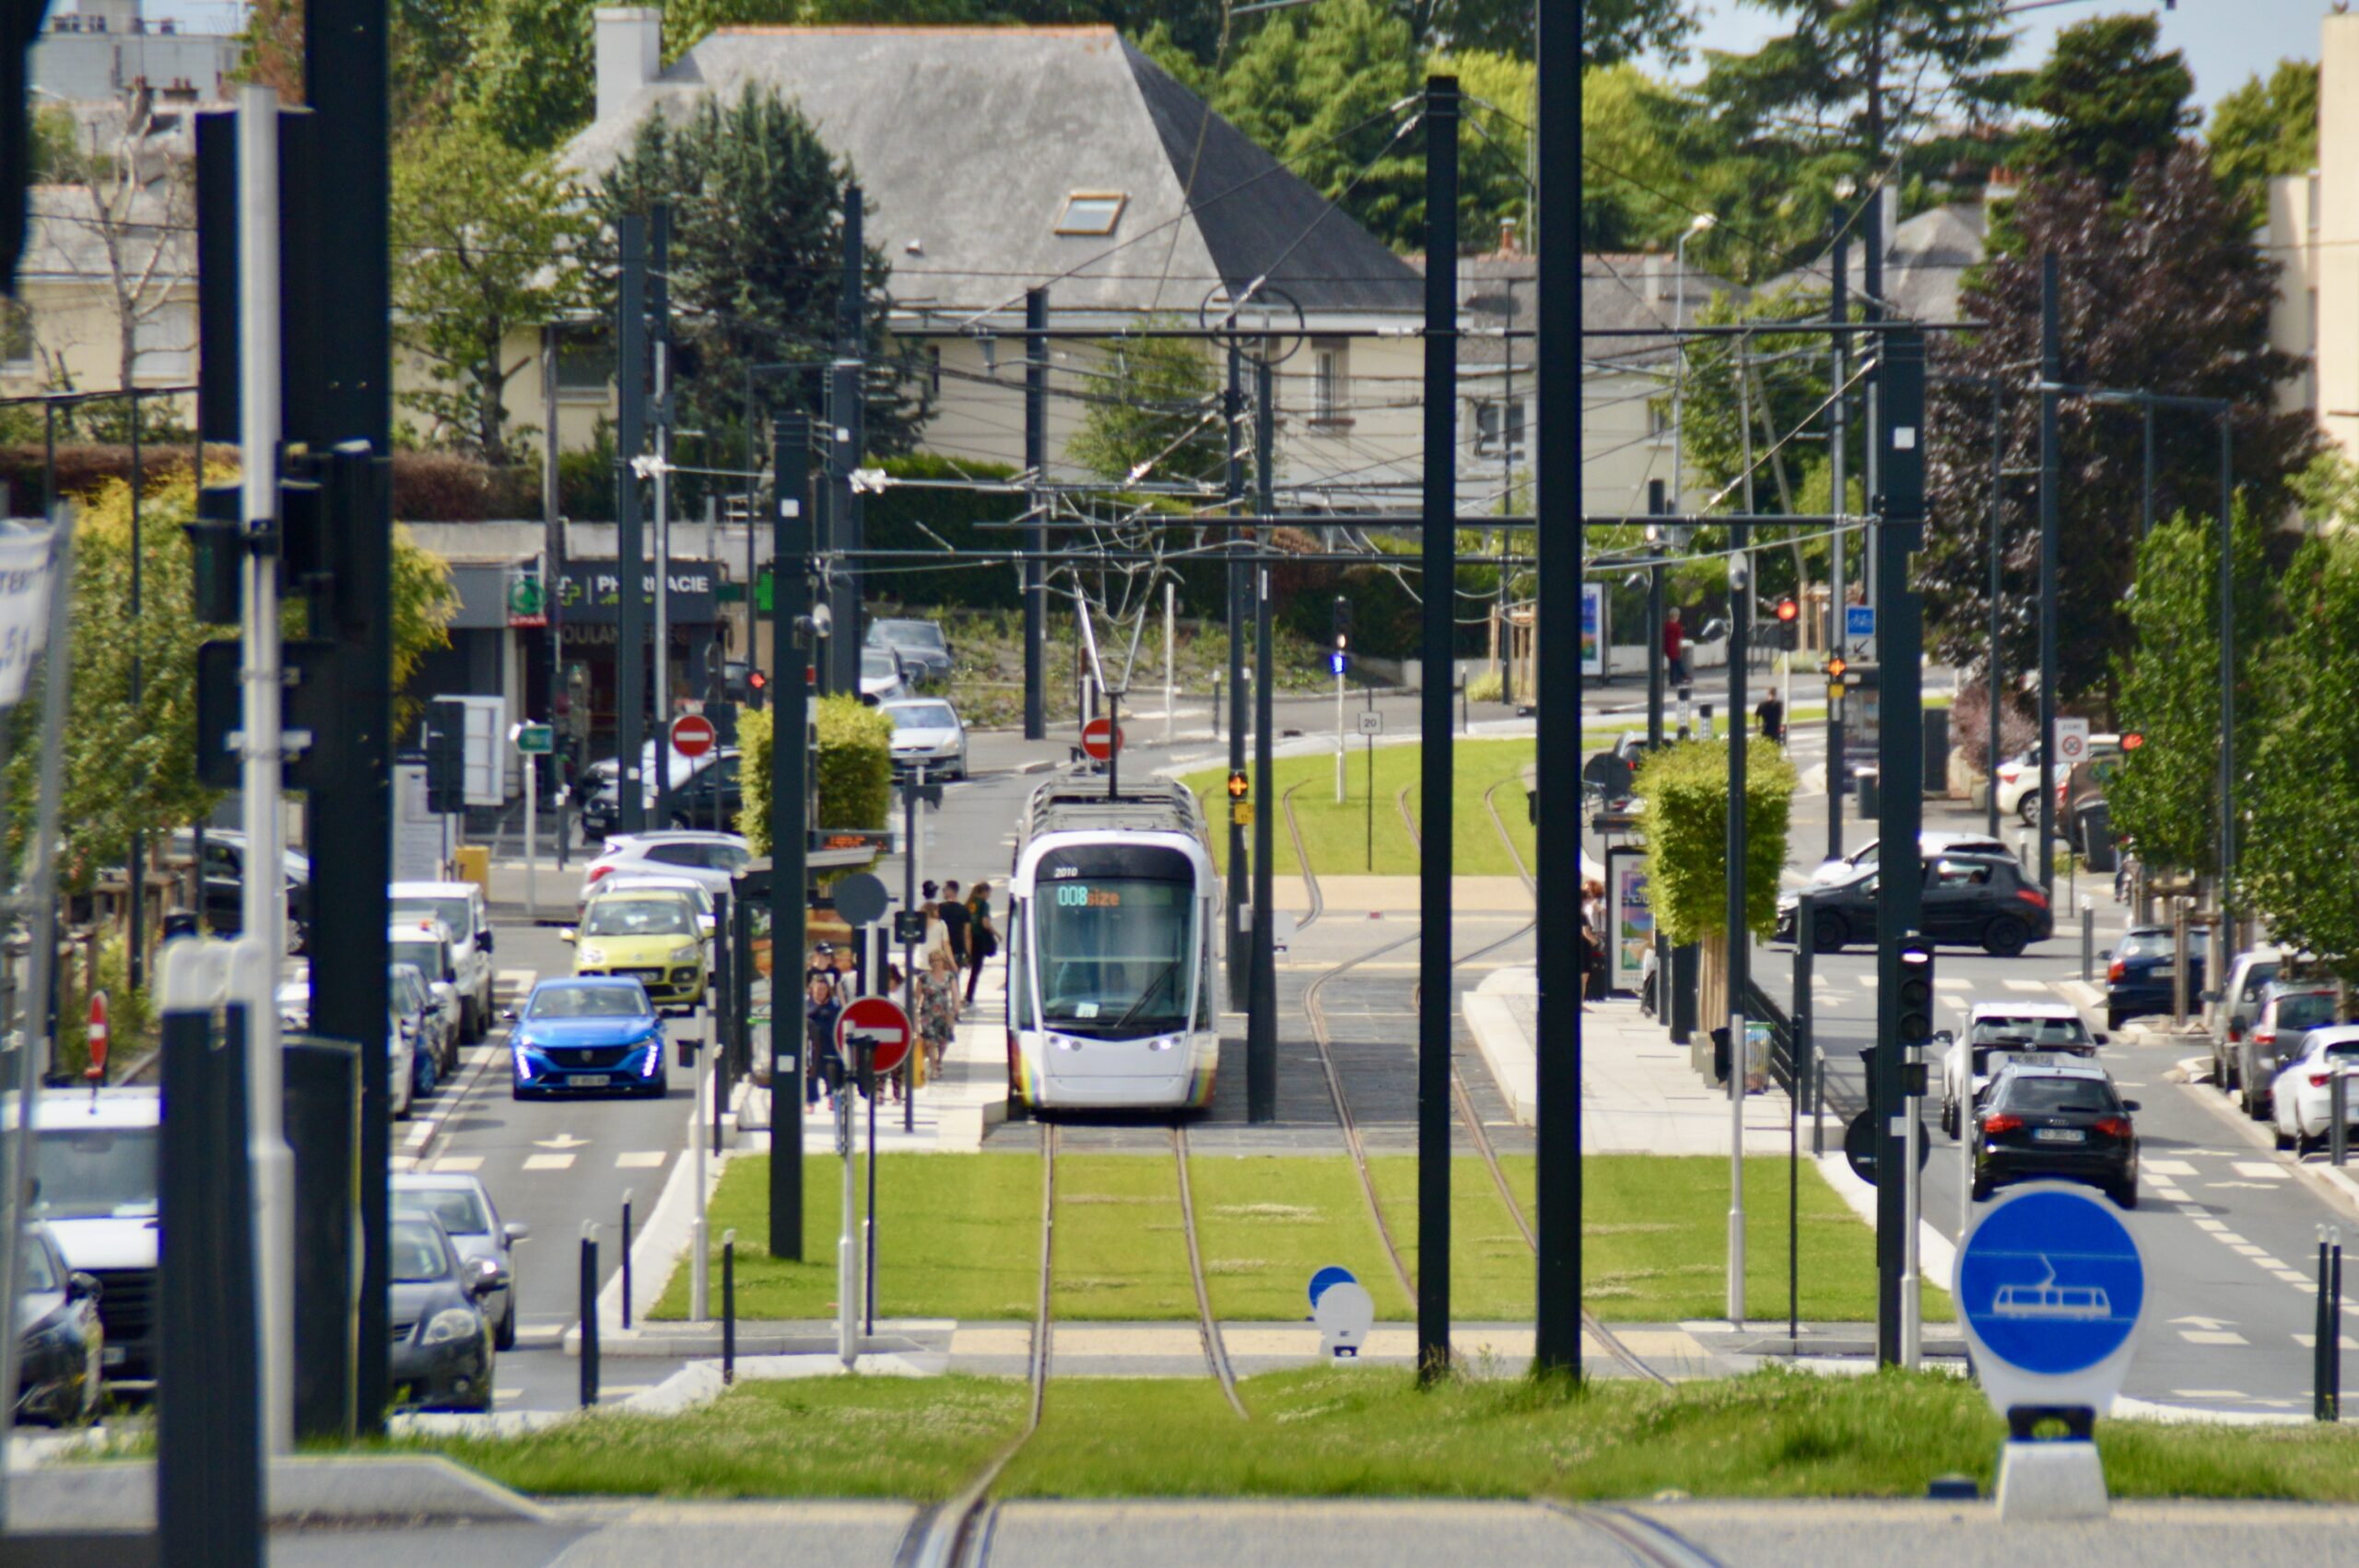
533	742
1860	626
872	1038
1101	740
1371	726
2051	1290
2072	741
693	734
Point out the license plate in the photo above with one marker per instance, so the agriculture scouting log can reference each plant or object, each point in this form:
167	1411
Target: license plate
2059	1135
600	1080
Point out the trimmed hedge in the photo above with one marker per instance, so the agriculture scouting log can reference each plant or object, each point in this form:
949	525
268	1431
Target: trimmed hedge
853	772
1683	818
429	486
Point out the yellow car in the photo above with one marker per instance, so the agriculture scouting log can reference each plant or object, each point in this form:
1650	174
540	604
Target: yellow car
652	939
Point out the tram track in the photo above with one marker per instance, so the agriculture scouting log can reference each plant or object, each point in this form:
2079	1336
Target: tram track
1207	1326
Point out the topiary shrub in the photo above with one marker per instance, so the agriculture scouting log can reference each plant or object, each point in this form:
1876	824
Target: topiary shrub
852	773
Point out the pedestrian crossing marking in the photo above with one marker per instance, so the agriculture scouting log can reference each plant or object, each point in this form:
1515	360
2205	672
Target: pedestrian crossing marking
640	1160
2169	1168
2310	1341
459	1165
548	1163
2262	1170
1951	983
2035	987
2295	1277
2213	1337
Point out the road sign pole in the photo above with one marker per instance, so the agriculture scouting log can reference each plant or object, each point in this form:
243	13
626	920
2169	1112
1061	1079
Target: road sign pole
532	839
846	1247
1339	737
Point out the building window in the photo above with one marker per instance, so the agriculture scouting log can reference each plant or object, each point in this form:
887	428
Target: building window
1658	419
1091	212
585	365
17	356
1331	377
164	345
1487	423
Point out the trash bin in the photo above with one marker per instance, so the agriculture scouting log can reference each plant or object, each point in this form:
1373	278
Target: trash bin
2092	828
1721	1055
472	863
1935	728
1868	791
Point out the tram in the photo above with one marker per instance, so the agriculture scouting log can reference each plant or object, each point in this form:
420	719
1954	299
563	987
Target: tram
1111	908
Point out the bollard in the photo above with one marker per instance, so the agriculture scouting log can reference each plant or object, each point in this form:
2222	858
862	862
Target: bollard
2088	941
2334	1324
2337	1115
625	1257
728	1307
588	1314
1818	1100
2322	1331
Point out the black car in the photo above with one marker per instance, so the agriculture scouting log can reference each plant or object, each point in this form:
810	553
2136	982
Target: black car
60	1348
922	648
2056	1121
442	1354
714	785
2139	976
1969	900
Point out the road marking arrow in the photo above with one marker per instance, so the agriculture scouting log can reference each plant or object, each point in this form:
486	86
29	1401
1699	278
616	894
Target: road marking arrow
562	1140
2204	1322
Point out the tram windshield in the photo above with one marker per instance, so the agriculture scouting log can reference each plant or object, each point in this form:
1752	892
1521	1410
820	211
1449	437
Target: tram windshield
1115	955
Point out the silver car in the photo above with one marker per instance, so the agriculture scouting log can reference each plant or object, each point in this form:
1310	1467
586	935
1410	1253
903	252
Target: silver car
928	735
465	1211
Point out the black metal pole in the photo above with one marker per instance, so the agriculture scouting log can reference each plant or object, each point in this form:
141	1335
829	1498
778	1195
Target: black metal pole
1901	764
1871	243
2333	1335
1799	1060
847	444
1240	968
1262	1013
789	756
631	545
622	1255
135	864
2226	852
1655	672
1998	690
2321	1330
1436	785
1036	537
728	1307
659	312
588	1290
2051	470
1839	456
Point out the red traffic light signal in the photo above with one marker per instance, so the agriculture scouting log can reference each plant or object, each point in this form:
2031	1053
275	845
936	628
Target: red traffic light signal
2132	740
1788	611
758	680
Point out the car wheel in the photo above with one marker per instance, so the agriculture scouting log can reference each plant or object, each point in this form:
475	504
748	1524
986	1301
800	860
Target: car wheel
2281	1139
2027	808
504	1337
2255	1106
1949	1119
1981	1190
2004	936
2112	1021
1827	931
2126	1195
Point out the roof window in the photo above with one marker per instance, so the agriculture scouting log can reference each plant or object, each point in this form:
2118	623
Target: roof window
1091	212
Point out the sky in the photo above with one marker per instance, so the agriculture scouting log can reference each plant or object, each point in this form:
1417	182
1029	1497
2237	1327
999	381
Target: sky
2225	40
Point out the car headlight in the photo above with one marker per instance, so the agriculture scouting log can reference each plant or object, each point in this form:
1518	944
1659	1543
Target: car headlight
686	952
453	1323
594	955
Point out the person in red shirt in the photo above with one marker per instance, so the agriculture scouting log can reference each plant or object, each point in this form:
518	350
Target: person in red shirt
1674	648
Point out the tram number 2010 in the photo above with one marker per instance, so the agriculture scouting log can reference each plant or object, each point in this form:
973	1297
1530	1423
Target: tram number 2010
1079	895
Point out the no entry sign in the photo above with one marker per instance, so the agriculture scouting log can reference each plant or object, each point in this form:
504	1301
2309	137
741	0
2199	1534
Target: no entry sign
877	1024
1101	740
692	735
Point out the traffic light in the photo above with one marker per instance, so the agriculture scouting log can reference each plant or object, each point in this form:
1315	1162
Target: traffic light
1342	623
758	685
1835	668
2132	740
1237	788
446	757
1788	622
1916	1014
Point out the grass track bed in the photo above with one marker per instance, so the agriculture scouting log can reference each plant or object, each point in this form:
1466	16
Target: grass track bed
1337	835
1122	1254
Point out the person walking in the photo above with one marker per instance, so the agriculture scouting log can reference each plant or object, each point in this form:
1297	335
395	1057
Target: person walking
1772	714
1594	933
982	938
823	1072
937	1007
1674	648
954	919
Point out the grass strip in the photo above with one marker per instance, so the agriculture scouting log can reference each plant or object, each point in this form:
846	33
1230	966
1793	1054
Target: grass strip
958	1237
1121	1254
1491	1268
1268	1223
1337	835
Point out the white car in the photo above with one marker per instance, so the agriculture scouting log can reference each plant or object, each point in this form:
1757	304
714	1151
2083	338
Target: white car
927	733
461	906
2020	776
712	860
1929	843
426	943
1994	1031
2301	1100
97	1157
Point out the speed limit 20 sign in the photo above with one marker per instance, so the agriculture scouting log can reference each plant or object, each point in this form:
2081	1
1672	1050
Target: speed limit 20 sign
2072	741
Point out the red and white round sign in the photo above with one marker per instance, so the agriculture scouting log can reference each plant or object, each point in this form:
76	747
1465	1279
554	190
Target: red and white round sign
692	735
1101	740
879	1025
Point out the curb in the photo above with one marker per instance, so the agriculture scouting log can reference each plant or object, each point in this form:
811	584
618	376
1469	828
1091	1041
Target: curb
2335	1186
352	1489
1515	1067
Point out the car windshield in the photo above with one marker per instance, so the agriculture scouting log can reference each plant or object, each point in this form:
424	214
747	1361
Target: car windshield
454	913
1113	955
2061	1096
418	1254
637	917
461	1211
878	661
2258	980
924	716
2305	1010
426	955
39	1277
2149	944
694	892
909	634
88	1173
588	1001
2031	1031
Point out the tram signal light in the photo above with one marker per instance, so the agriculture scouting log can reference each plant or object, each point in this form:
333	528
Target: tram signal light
1342	623
1835	668
1916	1016
1788	622
1237	787
2132	740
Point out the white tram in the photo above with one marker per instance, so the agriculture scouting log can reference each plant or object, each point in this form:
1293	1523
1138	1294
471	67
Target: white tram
1111	915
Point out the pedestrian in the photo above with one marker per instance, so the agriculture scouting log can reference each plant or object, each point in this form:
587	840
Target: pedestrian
893	979
822	966
982	939
1674	648
937	1007
1772	714
1593	938
954	917
822	1070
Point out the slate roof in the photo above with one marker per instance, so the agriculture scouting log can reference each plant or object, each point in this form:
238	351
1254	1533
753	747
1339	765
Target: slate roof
1619	291
967	141
1925	263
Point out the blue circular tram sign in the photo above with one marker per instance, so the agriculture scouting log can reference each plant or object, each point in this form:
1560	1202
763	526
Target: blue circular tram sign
2051	1288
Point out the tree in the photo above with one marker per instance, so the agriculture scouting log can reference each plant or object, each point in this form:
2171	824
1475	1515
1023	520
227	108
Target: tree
2109	100
1156	414
1632	126
485	244
1684	818
2165	795
531	74
756	265
2266	128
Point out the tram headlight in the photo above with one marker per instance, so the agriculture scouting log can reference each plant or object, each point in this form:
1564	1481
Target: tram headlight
1162	1044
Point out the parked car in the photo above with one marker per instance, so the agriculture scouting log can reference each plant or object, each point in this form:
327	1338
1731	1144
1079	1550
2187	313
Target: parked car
442	1354
2290	1011
421	1012
61	1342
2301	1098
652	937
96	1160
462	1206
1969	900
882	678
2020	778
927	733
588	1032
594	794
426	945
1930	842
2230	1010
601	791
2139	974
461	906
2050	1116
924	650
713	789
712	858
221	883
1995	1030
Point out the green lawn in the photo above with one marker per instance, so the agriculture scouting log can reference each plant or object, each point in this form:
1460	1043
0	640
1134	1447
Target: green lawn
1370	1431
958	1237
1337	835
1121	1253
1267	1223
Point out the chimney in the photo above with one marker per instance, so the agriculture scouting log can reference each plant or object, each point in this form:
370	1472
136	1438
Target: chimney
631	54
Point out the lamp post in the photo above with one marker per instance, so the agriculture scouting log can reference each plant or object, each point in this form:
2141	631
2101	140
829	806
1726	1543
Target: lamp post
1704	224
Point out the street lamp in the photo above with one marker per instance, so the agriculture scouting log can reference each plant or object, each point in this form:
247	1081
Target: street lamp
1704	224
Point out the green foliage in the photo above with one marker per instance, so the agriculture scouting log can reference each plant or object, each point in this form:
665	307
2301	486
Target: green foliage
911	518
485	244
1684	791
1157	412
1632	131
2109	98
2265	128
2165	794
531	74
851	770
755	726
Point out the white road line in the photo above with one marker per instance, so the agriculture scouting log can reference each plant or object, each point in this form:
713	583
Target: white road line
548	1163
2213	1337
1951	983
2169	1168
459	1164
2231	1238
640	1160
2274	1265
1867	982
2295	1277
2310	1341
2247	1248
2262	1170
2038	987
2217	1227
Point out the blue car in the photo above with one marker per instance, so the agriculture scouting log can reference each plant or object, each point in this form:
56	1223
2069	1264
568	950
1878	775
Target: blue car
2140	979
590	1033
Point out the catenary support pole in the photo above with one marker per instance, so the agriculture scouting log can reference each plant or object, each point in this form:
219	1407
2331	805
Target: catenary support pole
1240	964
659	311
630	547
2050	473
1998	590
847	445
1655	672
790	758
2226	850
1035	532
1838	774
1262	1015
1798	1056
1740	937
1436	786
